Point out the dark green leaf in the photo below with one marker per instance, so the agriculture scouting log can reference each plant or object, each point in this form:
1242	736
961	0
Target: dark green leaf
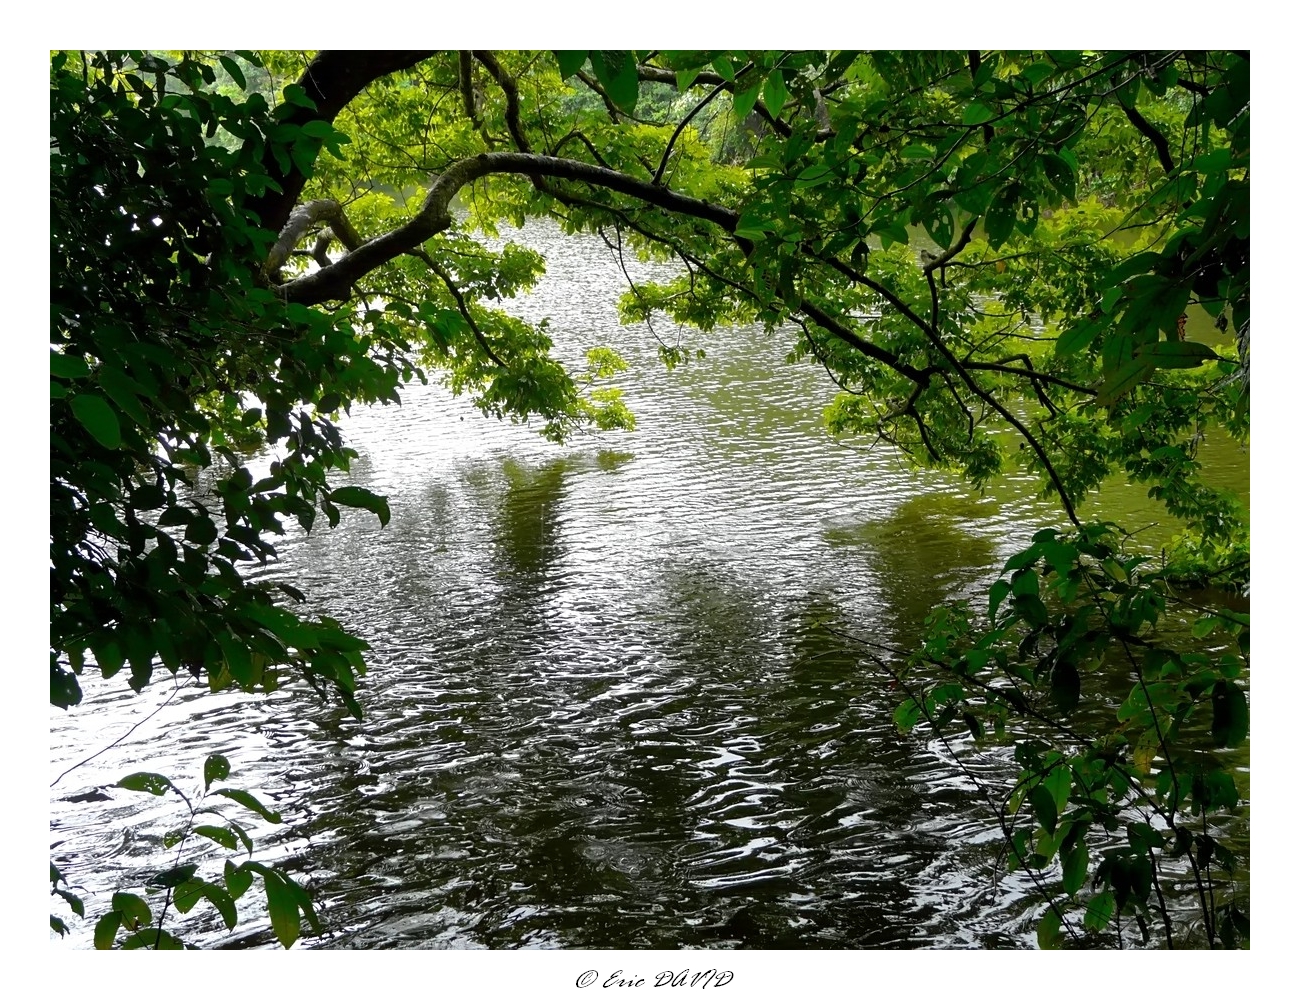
249	802
356	496
1143	837
1124	378
775	93
1049	931
74	901
145	781
1175	354
187	894
285	920
219	834
68	366
173	877
98	418
235	72
1231	714
238	879
1059	175
1078	337
201	531
616	71
223	902
215	768
1074	866
570	61
997	594
134	910
976	114
106	930
743	102
999	222
1101	909
1044	806
159	939
1065	686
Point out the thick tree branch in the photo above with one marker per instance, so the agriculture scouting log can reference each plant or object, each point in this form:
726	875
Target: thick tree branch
865	347
331	80
507	84
303	218
1155	135
334	282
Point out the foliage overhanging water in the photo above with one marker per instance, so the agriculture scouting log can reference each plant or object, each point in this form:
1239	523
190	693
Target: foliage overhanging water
608	705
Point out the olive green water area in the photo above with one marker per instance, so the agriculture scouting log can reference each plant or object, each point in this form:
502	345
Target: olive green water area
610	702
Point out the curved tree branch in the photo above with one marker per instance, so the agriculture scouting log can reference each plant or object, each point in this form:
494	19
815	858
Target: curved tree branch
334	282
331	81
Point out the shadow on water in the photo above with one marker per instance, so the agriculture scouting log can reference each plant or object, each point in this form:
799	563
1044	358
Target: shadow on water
923	553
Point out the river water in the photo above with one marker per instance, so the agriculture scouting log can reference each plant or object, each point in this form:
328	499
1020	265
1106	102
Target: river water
610	703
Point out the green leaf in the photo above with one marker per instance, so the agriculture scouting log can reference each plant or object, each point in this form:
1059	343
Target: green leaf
616	71
1065	686
243	836
249	802
1101	909
356	496
215	768
303	899
775	93
1231	720
997	594
976	114
1176	354
1124	378
159	939
743	102
235	72
219	834
1044	806
238	879
1050	937
106	930
134	910
98	418
187	894
1144	837
570	61
1213	163
907	715
173	877
285	920
938	222
317	129
201	531
1059	175
1078	337
1074	866
145	781
223	902
999	222
73	900
68	366
296	94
